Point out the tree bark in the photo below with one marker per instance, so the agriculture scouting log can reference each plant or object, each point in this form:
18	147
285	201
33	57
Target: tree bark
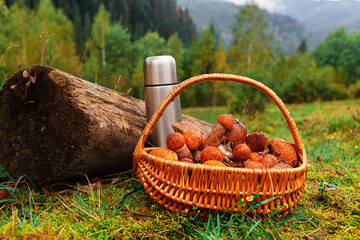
55	126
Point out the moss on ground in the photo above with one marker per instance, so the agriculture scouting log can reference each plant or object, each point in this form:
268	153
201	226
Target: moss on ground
118	207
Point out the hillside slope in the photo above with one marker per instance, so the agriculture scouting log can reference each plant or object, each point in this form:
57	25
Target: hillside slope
323	16
287	31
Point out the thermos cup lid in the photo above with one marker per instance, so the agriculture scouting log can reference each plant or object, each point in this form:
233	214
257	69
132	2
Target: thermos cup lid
160	70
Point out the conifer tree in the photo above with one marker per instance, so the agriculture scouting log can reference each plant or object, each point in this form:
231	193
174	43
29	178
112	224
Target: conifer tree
302	47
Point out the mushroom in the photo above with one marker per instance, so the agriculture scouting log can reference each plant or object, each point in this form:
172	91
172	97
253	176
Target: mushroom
187	160
197	156
193	140
164	153
176	142
241	152
214	163
256	157
284	151
211	153
282	165
254	165
269	160
226	152
224	123
237	133
257	141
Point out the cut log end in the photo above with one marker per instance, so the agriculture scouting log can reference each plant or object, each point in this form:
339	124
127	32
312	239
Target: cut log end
61	126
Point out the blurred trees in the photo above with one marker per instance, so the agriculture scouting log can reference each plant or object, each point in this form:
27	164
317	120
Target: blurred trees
341	51
99	30
251	49
137	16
40	36
152	44
252	43
113	38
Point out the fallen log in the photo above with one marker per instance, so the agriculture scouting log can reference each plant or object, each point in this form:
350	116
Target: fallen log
55	126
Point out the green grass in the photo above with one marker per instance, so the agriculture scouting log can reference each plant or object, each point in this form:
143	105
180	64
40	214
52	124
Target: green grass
118	207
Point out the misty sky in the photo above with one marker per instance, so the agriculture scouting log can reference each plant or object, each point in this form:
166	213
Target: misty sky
271	5
276	5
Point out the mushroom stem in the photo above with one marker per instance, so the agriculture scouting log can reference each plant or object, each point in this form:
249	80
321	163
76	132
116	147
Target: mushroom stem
215	136
183	152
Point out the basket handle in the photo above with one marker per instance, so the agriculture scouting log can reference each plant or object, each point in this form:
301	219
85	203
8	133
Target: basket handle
217	77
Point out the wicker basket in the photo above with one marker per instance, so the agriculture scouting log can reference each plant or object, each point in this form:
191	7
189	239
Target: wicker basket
181	187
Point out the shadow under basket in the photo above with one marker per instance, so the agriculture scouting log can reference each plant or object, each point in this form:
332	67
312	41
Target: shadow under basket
185	188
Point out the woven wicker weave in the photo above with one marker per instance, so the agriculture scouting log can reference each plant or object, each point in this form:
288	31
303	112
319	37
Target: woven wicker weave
182	186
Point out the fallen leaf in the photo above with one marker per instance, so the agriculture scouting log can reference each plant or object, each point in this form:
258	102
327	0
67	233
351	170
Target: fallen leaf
4	194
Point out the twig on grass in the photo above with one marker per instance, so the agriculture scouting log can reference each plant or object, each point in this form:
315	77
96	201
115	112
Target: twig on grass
117	82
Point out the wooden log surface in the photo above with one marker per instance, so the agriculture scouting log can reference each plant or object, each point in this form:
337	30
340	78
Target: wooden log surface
55	126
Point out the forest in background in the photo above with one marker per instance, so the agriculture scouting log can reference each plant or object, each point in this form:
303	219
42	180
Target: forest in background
107	41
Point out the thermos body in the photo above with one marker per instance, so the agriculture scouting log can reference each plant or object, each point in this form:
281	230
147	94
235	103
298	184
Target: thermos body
160	79
163	127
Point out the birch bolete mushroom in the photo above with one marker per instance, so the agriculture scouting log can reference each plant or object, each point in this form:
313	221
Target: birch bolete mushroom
211	153
269	160
284	151
254	165
214	163
257	141
217	133
176	142
256	157
241	152
193	140
187	160
237	133
282	165
164	153
197	156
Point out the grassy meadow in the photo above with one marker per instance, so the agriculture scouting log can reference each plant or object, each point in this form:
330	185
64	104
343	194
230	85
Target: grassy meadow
118	207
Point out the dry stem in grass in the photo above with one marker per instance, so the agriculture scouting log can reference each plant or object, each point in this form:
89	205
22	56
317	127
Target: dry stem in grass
11	45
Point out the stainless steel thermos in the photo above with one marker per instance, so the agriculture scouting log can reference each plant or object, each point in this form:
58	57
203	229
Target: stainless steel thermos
160	78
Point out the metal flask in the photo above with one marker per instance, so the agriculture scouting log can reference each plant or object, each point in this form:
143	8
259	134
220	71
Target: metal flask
160	79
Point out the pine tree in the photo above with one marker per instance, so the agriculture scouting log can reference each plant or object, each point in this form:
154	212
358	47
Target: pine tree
124	12
302	47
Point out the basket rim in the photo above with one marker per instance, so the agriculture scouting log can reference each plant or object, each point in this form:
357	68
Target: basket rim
144	153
